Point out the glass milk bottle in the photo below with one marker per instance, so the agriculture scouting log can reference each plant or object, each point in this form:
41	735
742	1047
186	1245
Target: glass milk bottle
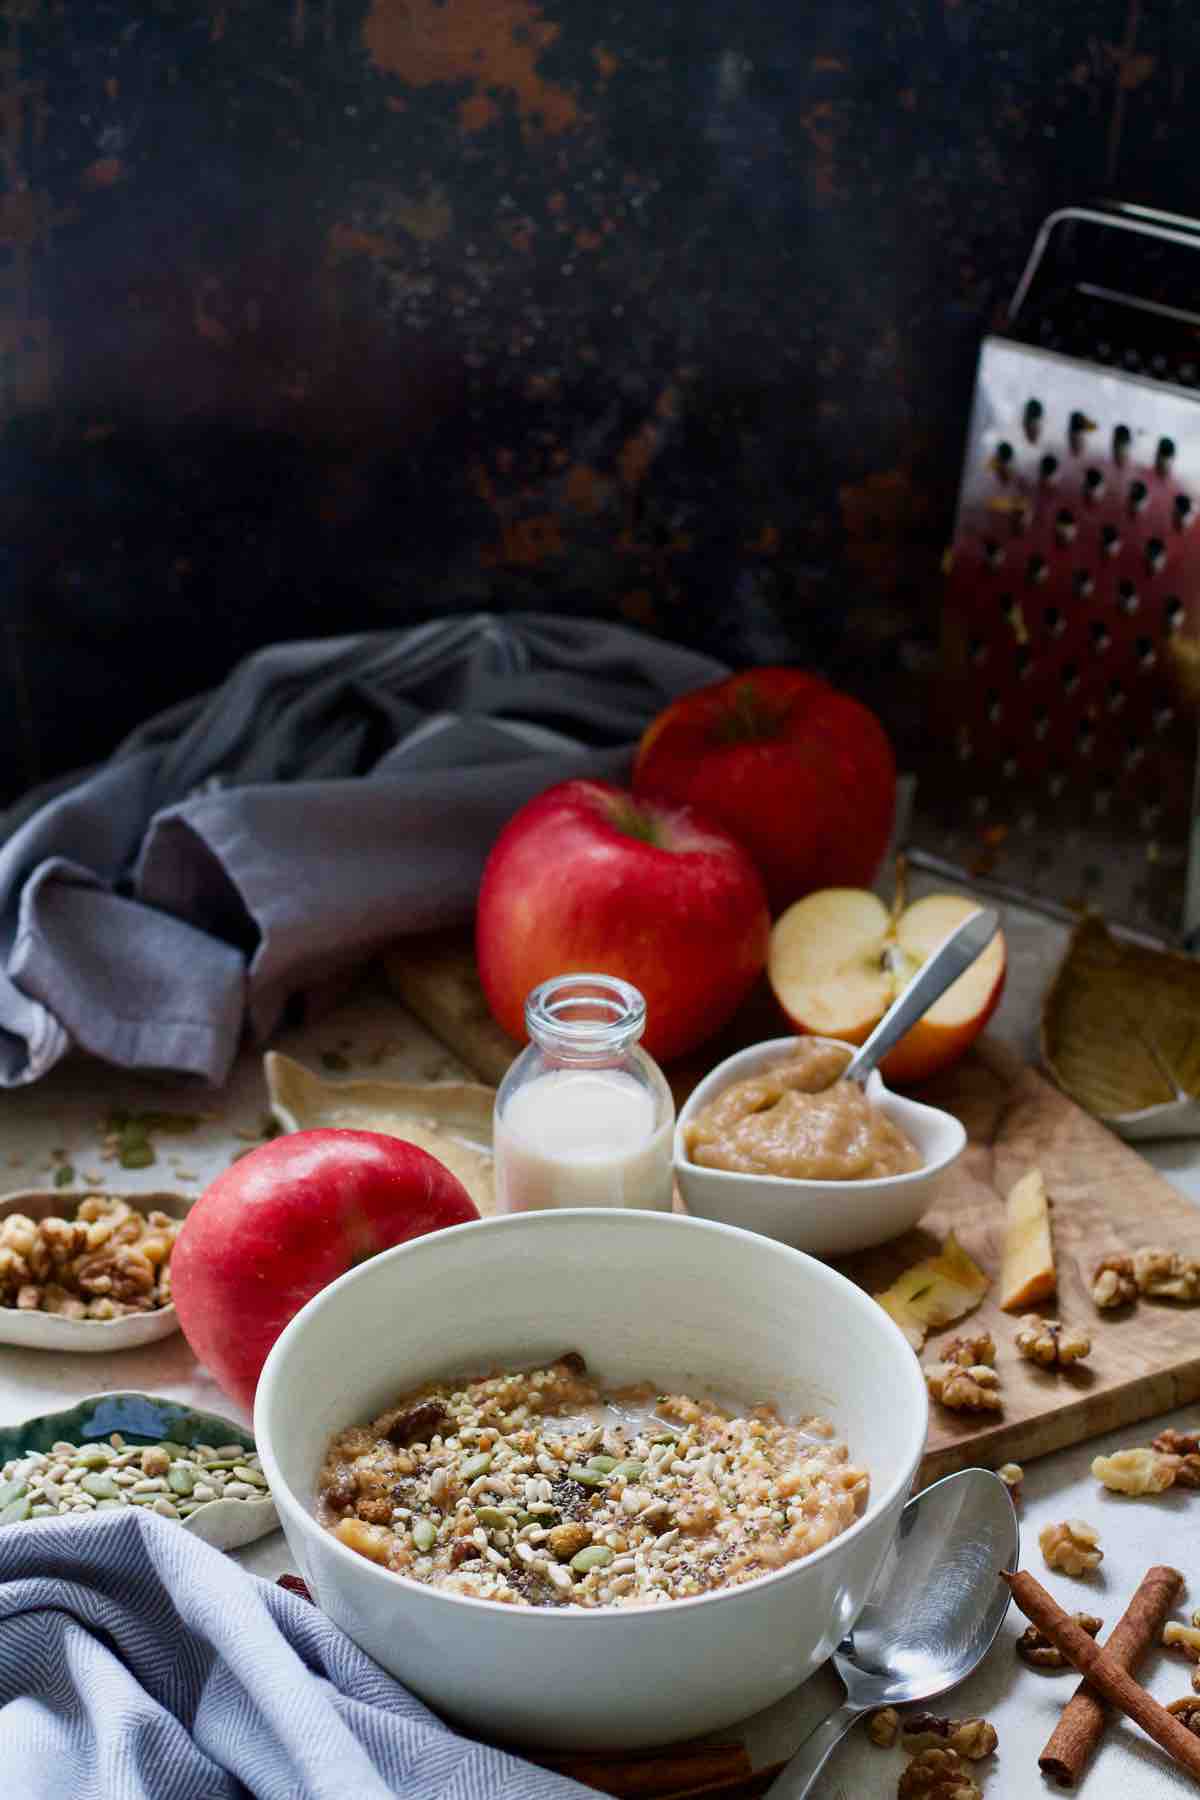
584	1117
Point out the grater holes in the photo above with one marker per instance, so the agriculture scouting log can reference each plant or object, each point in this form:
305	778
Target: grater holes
1122	438
1164	455
1031	420
1127	597
993	709
1135	753
1137	497
1146	654
1047	469
1156	555
1065	529
1083	583
1131	359
1054	621
1078	427
1162	716
993	553
1182	511
1102	794
1187	373
1150	814
977	650
1099	633
1070	677
1173	612
1041	723
1116	696
1093	483
1056	781
1023	663
1002	459
1037	570
1110	540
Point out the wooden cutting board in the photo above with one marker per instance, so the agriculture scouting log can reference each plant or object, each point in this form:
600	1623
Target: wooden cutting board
1145	1360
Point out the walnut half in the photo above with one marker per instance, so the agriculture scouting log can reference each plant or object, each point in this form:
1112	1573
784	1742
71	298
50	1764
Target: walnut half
1071	1545
1166	1275
972	1738
1113	1283
1182	1637
882	1727
937	1775
974	1389
1138	1471
1187	1711
1035	1648
970	1352
1050	1343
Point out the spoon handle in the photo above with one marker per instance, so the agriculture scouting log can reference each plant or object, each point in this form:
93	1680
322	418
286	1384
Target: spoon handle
953	955
795	1779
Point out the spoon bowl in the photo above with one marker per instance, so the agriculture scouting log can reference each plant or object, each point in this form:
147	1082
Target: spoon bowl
932	1615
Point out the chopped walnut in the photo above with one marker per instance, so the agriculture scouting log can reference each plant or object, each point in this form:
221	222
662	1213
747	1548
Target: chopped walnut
1071	1545
1182	1637
1187	1711
1035	1648
883	1726
1113	1282
964	1390
565	1541
1139	1471
970	1352
1012	1475
937	1775
1176	1443
1050	1343
107	1262
972	1738
1164	1274
1187	1475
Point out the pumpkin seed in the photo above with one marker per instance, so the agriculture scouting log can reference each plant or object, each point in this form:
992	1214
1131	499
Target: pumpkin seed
180	1481
590	1478
16	1510
10	1491
476	1465
630	1469
93	1456
605	1464
100	1486
594	1556
424	1534
493	1518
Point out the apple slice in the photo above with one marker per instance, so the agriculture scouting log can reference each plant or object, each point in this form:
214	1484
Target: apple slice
838	958
938	1291
1028	1275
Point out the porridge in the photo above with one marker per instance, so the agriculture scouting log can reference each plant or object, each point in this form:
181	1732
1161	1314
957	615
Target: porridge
536	1489
798	1119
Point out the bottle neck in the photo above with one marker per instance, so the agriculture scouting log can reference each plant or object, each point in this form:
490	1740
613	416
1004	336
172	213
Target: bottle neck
585	1018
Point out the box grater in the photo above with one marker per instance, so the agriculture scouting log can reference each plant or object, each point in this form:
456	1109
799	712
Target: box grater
1065	764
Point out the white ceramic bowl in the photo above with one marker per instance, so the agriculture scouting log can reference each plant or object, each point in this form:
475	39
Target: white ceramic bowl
826	1218
640	1294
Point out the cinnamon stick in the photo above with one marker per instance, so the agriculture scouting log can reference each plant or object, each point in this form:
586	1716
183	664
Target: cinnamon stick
1081	1727
655	1775
1104	1673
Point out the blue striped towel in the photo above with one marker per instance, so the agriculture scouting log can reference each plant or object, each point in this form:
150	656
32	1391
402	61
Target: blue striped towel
136	1663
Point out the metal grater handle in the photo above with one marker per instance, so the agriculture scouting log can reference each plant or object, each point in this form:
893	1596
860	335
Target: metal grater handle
1145	221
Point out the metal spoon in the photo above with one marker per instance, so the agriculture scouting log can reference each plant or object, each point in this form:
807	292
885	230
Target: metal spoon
956	953
932	1615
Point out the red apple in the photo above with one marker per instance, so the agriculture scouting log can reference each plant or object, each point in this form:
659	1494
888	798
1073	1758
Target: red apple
286	1220
586	879
839	958
801	774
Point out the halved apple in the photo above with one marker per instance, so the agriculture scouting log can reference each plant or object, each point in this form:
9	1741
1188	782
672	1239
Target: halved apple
838	958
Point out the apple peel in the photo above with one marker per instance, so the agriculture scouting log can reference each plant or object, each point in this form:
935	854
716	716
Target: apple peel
937	1291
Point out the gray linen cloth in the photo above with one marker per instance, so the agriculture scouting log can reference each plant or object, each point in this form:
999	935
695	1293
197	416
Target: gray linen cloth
137	1663
260	840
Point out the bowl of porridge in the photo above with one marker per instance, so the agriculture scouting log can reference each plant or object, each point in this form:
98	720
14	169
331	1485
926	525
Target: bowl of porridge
774	1140
591	1478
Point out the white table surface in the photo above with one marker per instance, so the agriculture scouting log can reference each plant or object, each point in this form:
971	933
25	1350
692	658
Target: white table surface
66	1112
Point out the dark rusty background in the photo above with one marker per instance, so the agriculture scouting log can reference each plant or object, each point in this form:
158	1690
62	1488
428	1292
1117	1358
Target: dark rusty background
328	314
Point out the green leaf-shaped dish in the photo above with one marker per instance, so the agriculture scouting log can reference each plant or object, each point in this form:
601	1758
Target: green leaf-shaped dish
149	1419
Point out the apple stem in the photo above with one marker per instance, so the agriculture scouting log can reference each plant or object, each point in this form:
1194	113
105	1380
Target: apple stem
900	892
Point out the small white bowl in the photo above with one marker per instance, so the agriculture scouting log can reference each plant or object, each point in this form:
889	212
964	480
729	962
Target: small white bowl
826	1218
50	1331
640	1295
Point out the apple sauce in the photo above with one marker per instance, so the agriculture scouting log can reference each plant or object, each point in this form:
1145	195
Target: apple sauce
799	1119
